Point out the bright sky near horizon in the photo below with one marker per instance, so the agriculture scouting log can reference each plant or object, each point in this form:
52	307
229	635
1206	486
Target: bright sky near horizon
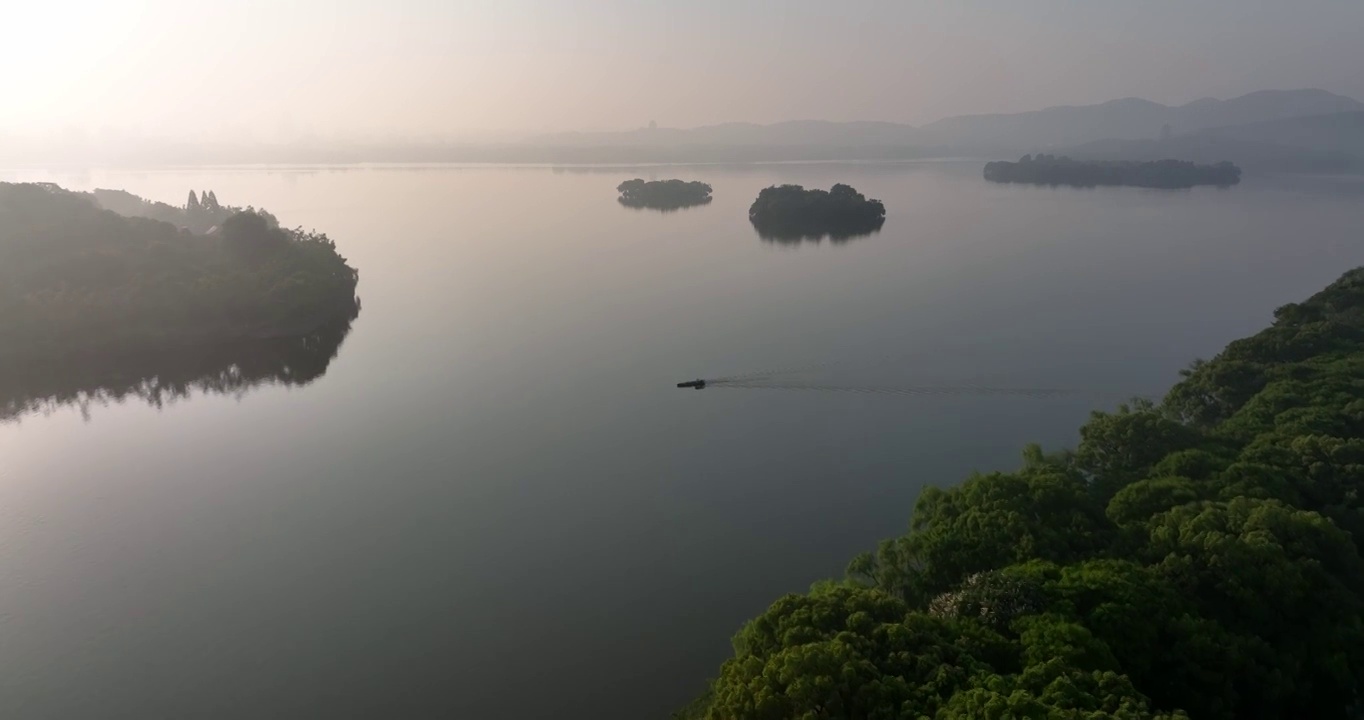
399	69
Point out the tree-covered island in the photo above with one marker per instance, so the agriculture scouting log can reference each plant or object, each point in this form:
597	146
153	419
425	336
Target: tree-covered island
663	194
792	213
1168	174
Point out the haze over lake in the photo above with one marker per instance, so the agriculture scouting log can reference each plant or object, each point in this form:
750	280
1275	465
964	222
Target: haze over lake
445	522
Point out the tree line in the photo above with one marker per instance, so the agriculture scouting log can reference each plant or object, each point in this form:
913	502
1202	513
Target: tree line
1168	174
201	213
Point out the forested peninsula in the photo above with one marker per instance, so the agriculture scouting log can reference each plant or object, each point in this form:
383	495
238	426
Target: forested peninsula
80	281
1194	558
1168	174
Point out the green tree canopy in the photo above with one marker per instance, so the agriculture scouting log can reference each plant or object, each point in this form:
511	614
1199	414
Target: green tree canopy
842	653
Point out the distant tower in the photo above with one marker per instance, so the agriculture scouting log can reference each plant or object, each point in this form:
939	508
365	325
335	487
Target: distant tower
1166	132
653	124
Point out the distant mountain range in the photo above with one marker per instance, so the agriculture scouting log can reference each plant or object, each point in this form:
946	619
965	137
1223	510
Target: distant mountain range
1332	143
1280	130
1273	130
792	133
1336	132
1126	119
1129	119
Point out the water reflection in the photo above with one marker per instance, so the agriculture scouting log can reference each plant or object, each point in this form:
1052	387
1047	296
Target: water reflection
662	205
165	377
795	235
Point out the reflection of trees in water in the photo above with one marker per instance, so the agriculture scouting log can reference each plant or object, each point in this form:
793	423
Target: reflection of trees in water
795	234
662	205
158	378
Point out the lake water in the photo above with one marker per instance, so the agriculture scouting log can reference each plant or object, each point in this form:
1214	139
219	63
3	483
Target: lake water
495	504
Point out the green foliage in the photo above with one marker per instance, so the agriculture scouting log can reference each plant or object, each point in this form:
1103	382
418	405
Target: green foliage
1119	448
1053	690
1000	519
1285	576
1179	660
1320	333
1199	556
993	598
1137	503
1195	464
1049	638
842	653
79	281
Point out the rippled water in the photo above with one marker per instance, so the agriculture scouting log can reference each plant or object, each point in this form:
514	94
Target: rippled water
493	502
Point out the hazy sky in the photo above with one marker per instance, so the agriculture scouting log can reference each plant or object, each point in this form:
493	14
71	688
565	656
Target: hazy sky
278	69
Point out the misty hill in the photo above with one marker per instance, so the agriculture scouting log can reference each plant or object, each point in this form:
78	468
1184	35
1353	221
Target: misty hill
1128	119
1056	128
1336	132
799	132
1331	143
1125	119
1251	156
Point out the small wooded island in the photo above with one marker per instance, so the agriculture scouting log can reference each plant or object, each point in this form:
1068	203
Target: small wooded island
81	281
790	212
1169	174
663	194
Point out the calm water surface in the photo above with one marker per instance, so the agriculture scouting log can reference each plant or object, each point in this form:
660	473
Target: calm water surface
494	503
